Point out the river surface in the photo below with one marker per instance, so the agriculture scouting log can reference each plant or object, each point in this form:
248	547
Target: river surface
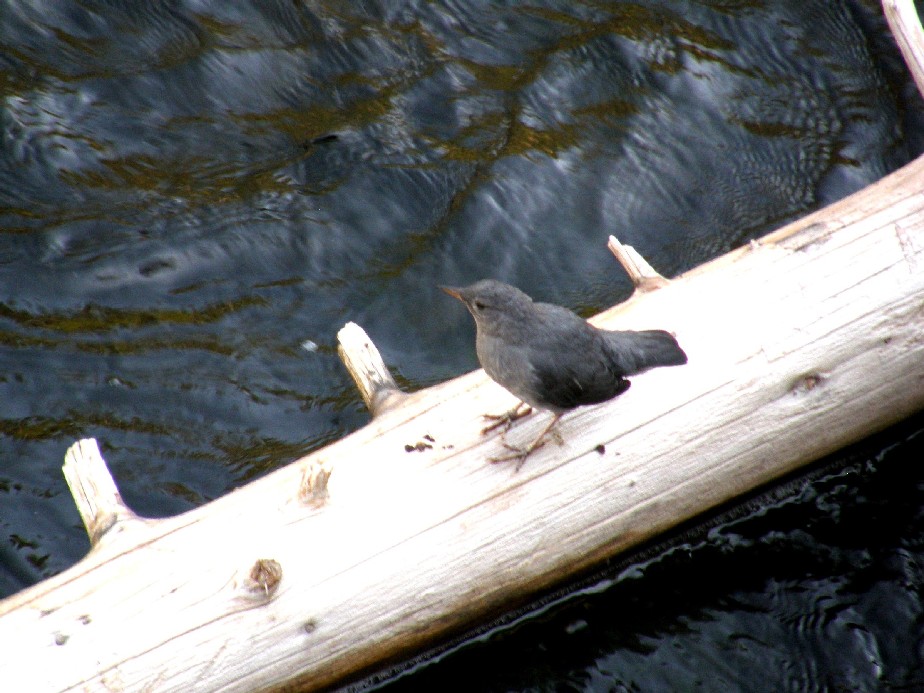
196	196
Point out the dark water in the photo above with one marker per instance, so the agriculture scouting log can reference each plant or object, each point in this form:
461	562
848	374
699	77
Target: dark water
195	196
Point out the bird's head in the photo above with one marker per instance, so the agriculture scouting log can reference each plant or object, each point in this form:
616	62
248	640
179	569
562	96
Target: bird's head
493	304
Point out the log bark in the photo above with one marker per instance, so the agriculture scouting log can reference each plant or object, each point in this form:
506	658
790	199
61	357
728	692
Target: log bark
803	342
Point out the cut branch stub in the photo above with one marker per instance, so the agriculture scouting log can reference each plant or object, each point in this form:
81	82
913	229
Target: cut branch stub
643	275
95	493
906	27
378	389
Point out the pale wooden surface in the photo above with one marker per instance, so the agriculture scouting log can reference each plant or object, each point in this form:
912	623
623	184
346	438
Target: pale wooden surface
799	344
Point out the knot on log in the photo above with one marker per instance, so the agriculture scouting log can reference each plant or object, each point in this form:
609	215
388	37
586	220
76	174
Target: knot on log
313	488
264	578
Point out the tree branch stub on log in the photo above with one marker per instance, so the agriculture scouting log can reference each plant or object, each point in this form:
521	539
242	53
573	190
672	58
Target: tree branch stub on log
95	494
906	28
364	363
644	277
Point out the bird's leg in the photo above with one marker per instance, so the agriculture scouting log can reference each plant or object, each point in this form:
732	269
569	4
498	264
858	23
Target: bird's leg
506	419
520	454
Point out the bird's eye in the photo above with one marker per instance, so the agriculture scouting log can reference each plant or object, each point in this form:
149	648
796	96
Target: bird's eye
479	305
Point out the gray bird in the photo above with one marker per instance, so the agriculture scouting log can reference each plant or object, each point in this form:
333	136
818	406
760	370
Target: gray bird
551	358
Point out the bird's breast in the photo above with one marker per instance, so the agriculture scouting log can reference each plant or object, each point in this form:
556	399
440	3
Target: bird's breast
508	365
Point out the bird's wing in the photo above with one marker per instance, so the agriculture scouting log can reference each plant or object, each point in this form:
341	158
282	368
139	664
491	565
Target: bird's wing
573	384
571	368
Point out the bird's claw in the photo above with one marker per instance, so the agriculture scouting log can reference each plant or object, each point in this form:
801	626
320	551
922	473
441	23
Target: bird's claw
506	419
518	454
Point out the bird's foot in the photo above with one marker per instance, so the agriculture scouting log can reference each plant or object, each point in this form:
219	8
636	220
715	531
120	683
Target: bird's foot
518	454
506	419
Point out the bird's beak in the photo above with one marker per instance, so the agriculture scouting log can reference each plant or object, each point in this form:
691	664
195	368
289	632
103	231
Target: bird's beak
453	291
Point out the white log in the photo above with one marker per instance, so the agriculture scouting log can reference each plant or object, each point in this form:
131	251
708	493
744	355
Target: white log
799	344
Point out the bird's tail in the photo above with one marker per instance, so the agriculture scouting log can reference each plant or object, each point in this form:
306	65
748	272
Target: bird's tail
634	352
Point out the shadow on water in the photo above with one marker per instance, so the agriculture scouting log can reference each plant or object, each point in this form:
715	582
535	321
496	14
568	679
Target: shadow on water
195	198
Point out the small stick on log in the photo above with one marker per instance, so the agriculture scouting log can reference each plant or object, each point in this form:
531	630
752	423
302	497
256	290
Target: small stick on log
906	27
98	500
378	389
643	275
